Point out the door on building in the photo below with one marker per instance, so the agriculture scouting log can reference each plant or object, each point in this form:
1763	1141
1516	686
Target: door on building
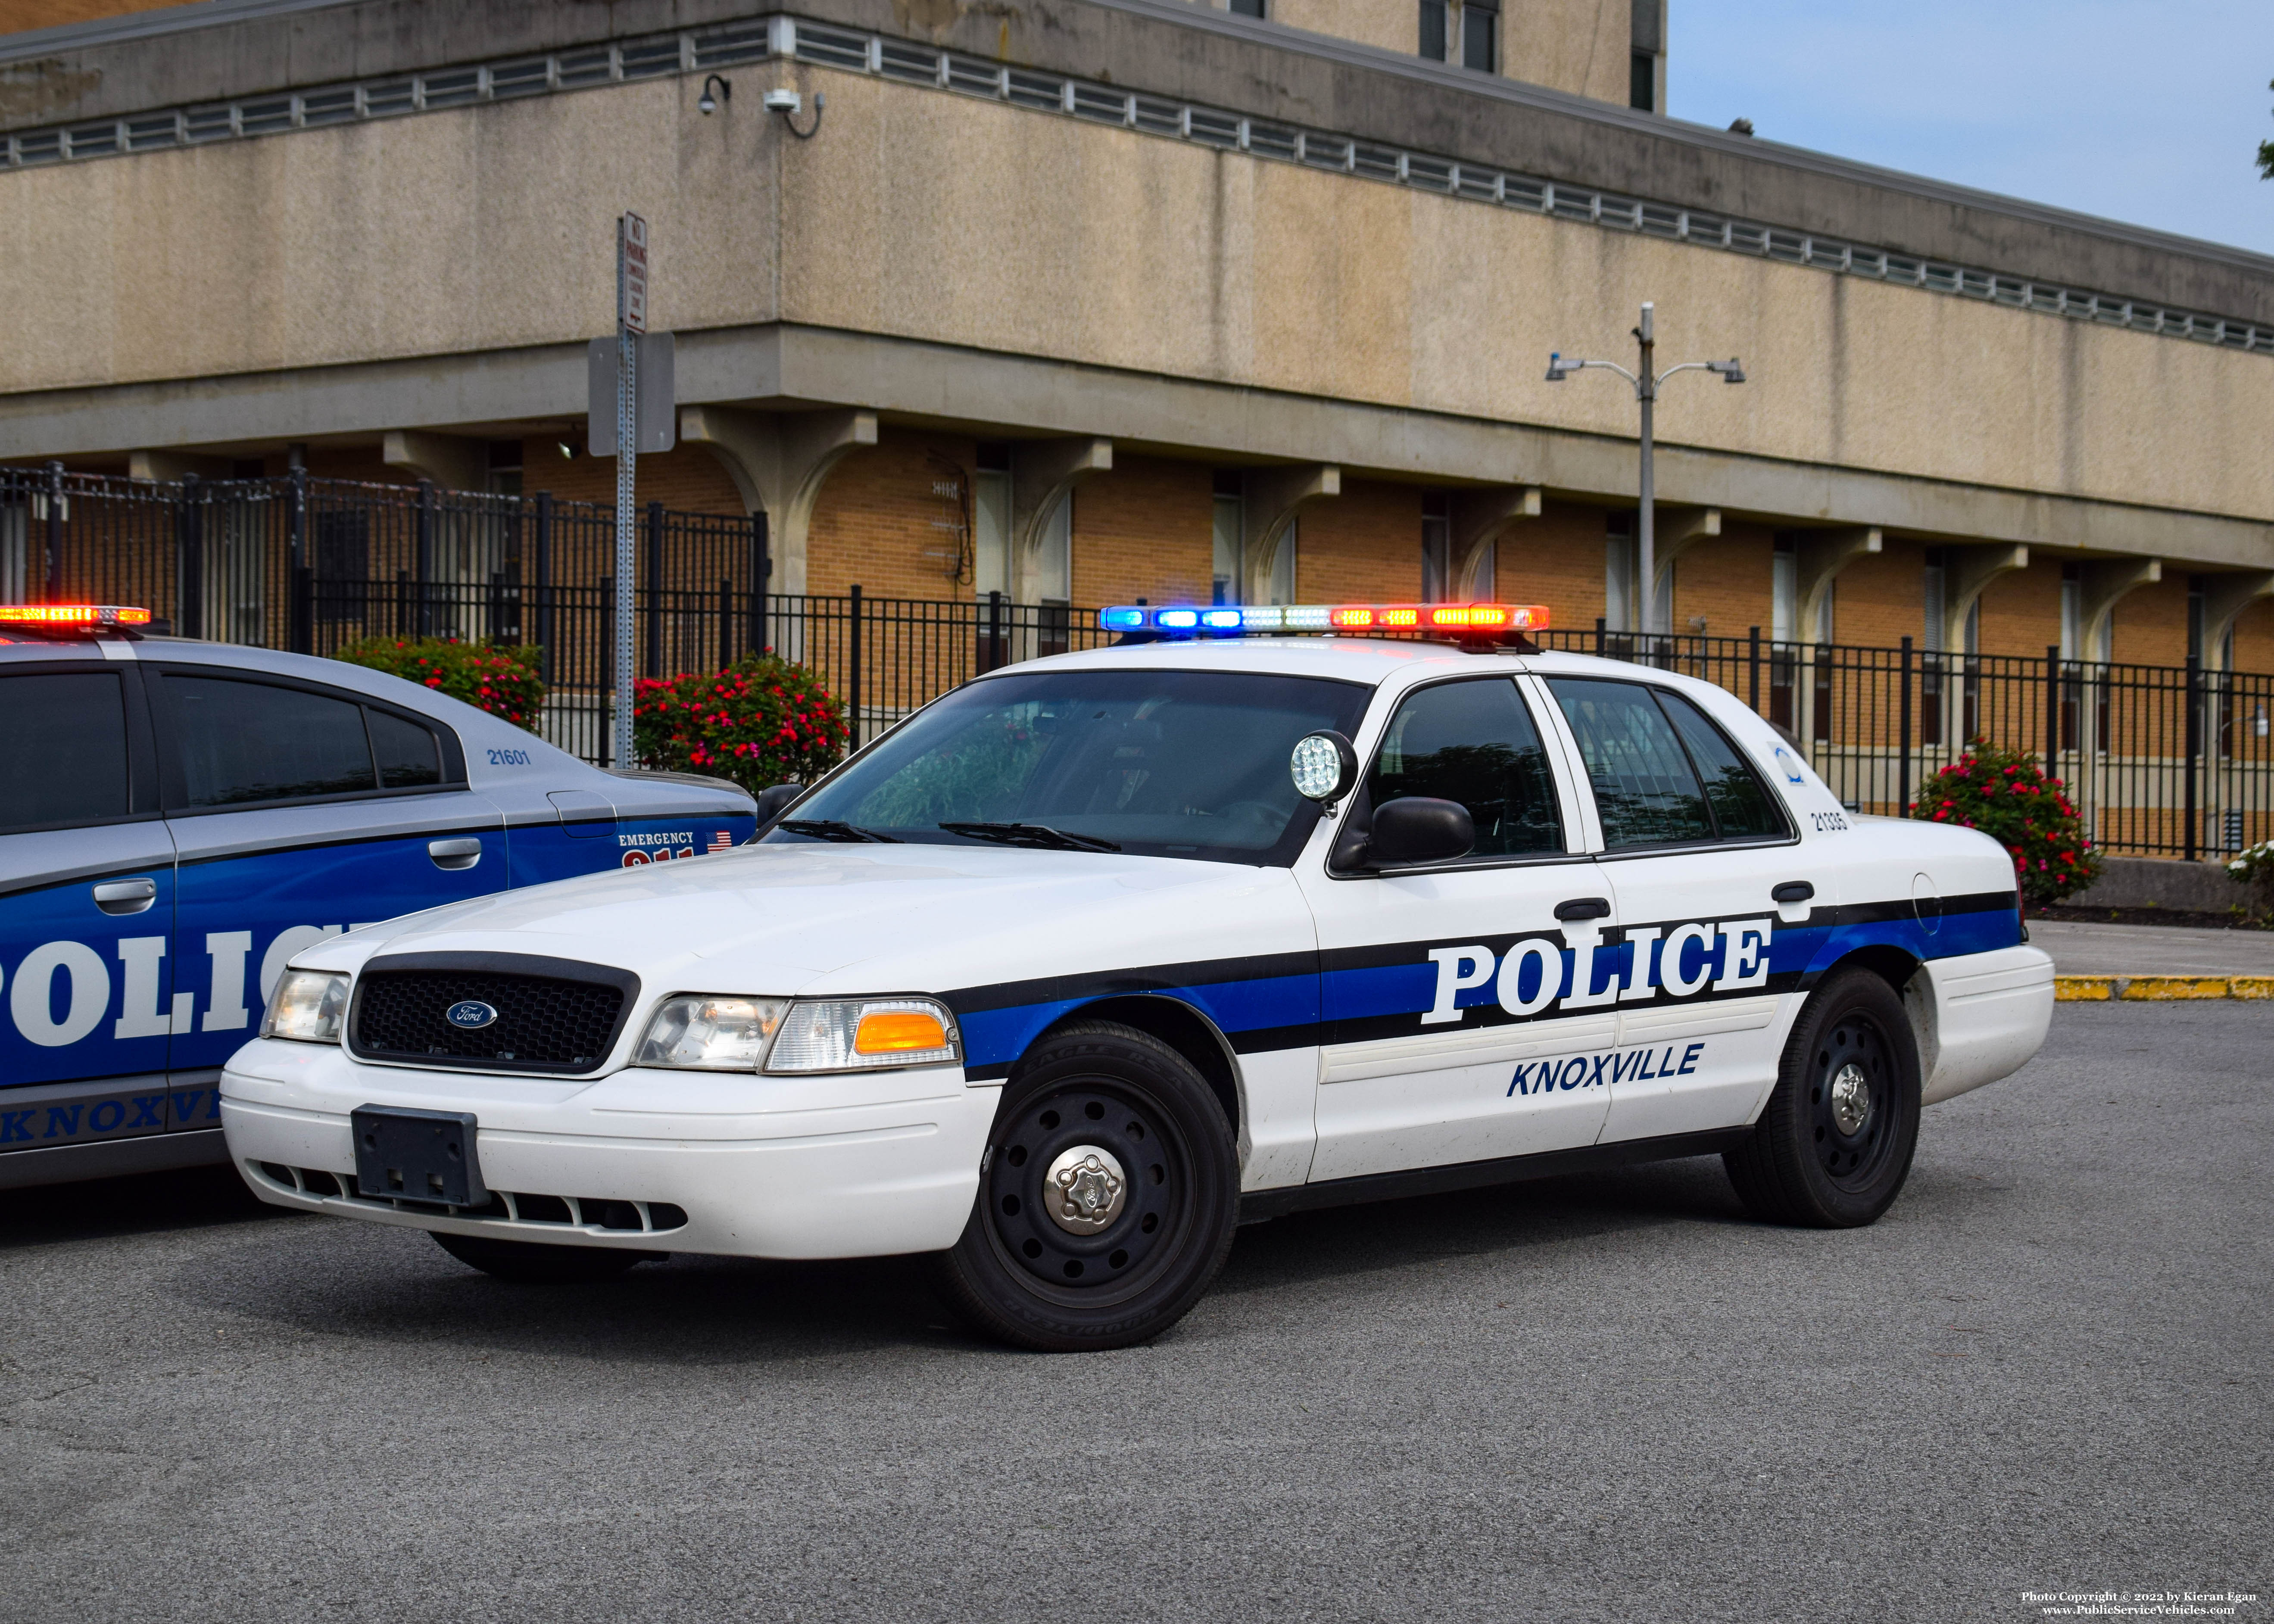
1423	1031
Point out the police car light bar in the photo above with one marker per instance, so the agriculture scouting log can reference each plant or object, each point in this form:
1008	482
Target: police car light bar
1176	620
72	614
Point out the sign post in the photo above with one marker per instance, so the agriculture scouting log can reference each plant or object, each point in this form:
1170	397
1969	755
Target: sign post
631	322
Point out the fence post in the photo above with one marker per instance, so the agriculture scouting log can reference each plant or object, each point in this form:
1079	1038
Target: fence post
994	631
2195	749
2052	709
304	573
653	665
726	623
1599	636
1904	747
54	540
761	565
425	557
1753	667
544	584
608	672
189	561
853	671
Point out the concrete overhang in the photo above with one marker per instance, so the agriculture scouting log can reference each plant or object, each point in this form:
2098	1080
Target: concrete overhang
906	381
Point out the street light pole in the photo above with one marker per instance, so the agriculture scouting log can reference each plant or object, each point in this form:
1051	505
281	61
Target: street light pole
1645	380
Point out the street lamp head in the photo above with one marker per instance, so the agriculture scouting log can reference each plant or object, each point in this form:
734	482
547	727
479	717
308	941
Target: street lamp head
1731	373
1556	371
715	90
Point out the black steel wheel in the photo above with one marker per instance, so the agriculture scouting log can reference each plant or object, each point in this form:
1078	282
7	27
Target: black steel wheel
1834	1145
535	1263
1107	1199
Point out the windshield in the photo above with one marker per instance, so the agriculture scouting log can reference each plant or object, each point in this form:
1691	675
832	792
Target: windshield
1165	764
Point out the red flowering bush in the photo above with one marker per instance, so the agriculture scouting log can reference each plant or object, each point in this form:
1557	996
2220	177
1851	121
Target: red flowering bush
2006	795
503	682
760	722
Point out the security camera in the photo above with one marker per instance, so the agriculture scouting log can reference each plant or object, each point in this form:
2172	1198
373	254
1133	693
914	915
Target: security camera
784	102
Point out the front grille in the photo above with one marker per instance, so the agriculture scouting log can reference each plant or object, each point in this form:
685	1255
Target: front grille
551	1015
585	1212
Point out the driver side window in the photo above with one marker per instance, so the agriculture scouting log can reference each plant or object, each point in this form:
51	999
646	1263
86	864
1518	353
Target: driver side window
1472	741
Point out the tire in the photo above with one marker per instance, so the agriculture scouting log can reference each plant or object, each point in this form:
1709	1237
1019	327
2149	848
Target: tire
1163	1185
535	1263
1829	1154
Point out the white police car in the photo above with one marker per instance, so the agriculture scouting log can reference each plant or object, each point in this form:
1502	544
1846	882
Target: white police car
177	819
1096	954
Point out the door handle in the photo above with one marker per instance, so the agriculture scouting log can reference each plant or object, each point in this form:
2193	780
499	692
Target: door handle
1584	907
120	897
1792	890
454	853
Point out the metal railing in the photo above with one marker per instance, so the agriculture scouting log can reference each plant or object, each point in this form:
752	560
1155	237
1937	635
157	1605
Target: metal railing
2170	760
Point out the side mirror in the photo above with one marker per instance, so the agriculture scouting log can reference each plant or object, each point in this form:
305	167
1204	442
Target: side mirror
774	802
1415	829
1324	767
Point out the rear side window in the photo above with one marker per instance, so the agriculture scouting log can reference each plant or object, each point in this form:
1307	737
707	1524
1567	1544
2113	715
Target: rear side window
1662	774
63	748
1739	801
409	756
1473	742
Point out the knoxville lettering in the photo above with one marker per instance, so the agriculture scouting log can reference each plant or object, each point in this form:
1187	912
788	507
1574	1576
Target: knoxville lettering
1599	1070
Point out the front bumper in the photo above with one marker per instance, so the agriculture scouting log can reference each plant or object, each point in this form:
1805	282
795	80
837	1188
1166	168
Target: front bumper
860	1165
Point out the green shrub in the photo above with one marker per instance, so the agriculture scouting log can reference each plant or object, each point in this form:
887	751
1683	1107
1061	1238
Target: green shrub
2006	795
762	721
503	682
2253	867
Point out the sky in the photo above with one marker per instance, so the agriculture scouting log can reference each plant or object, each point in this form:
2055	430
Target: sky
2148	111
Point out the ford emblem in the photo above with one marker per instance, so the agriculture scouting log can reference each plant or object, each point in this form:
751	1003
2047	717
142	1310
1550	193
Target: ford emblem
469	1013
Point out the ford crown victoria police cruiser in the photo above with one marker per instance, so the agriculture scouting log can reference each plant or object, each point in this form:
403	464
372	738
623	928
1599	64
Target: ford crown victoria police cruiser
177	819
1095	955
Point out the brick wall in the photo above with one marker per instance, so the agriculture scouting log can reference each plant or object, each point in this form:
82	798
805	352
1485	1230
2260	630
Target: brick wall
1362	546
1726	581
1555	560
878	522
1144	529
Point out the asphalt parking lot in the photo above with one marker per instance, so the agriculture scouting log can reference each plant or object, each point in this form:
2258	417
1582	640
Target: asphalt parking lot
2048	1369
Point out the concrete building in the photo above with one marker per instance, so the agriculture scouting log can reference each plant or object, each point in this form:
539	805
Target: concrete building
1092	300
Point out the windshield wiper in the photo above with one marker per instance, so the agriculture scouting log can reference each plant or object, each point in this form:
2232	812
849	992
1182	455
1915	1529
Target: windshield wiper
1041	837
833	829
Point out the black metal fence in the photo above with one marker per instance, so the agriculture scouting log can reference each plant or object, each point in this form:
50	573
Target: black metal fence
2166	760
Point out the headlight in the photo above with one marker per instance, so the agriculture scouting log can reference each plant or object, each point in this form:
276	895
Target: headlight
711	1032
860	1034
308	1007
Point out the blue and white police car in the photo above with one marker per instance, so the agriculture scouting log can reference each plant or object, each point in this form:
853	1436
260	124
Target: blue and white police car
177	819
1090	959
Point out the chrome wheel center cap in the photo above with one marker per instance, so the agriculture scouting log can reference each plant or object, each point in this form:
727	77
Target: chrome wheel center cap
1851	1100
1084	1190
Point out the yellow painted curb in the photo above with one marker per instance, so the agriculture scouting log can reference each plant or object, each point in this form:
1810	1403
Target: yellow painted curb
2159	989
2173	987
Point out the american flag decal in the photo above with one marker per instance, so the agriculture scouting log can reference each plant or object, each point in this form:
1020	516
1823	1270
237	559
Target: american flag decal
721	841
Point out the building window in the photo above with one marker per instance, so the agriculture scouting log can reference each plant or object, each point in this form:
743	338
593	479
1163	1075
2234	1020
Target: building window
1246	8
1480	35
1619	574
1437	583
990	521
1230	538
1434	29
1642	82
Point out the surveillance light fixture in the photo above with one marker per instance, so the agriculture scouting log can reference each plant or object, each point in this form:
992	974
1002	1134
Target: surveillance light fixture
789	103
1731	373
708	102
1556	371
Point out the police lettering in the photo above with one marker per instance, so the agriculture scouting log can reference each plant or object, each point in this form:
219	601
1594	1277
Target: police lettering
1730	955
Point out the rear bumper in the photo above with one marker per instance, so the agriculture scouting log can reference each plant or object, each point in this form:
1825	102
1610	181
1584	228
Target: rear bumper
741	1165
1984	1015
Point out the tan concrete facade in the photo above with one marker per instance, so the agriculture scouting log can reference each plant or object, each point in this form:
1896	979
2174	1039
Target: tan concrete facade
967	271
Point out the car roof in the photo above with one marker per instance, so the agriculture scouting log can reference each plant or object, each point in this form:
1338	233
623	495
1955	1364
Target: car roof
245	657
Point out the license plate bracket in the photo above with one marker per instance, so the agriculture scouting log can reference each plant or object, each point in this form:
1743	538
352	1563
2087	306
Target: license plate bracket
403	1154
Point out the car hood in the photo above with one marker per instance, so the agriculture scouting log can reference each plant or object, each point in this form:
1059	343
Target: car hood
789	919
